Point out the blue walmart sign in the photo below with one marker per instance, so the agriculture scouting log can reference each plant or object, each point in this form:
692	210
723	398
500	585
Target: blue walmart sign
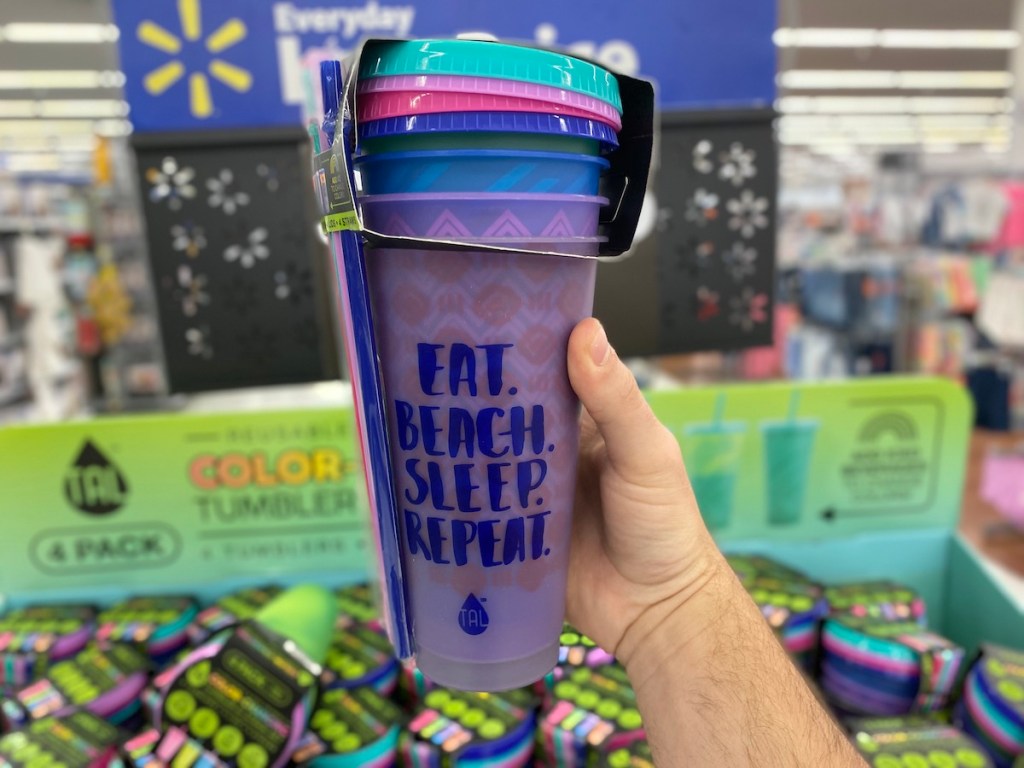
231	63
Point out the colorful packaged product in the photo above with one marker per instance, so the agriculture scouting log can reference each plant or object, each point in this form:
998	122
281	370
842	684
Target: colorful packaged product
884	668
351	729
578	650
247	693
589	711
991	708
38	635
78	739
154	748
358	604
636	754
462	729
361	657
157	625
879	600
229	610
749	567
890	743
105	682
794	610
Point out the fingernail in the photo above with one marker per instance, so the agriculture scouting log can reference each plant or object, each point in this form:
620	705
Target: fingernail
600	349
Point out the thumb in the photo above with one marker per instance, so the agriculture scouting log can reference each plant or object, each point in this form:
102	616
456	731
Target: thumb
638	445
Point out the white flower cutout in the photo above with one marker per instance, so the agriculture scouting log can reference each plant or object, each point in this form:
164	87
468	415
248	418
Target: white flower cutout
741	260
748	310
702	162
252	250
223	195
269	176
702	207
171	183
192	291
737	164
188	239
747	213
197	340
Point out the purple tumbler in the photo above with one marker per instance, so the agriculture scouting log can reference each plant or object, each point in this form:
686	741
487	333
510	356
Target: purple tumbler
484	441
482	419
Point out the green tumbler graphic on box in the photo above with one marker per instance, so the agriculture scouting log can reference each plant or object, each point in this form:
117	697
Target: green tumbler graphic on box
712	452
788	449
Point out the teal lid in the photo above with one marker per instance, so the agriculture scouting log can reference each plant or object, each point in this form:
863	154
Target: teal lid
478	58
305	615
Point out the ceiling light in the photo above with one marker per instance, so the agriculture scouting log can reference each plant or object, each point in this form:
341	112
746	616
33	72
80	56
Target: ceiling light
37	162
63	108
872	105
60	78
874	121
909	138
887	79
59	33
810	37
113	127
44	127
17	108
983	80
110	127
949	38
83	143
837	78
828	37
941	148
81	108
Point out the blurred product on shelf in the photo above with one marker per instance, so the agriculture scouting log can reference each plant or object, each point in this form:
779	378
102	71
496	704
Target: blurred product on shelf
877	659
894	742
992	706
78	739
1002	484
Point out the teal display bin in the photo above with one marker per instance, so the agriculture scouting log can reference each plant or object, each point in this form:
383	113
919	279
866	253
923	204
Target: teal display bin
204	504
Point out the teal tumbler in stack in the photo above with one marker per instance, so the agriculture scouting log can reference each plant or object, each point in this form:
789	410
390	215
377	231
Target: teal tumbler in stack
498	145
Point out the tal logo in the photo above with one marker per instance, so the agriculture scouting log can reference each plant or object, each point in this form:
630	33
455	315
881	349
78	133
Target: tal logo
473	618
93	483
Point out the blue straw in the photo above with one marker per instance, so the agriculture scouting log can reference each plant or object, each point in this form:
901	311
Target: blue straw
354	285
330	83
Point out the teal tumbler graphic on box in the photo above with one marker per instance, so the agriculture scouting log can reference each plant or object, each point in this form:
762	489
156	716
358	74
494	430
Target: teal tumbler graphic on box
712	453
788	447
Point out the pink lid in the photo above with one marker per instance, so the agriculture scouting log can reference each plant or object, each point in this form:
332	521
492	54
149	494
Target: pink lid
492	86
383	105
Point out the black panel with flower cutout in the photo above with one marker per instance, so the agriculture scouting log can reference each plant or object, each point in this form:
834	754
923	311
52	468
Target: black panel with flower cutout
240	269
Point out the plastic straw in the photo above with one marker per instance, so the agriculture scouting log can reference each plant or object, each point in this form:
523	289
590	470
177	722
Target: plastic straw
368	390
719	409
794	405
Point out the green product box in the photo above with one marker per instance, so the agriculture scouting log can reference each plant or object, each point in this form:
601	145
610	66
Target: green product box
879	488
200	504
205	504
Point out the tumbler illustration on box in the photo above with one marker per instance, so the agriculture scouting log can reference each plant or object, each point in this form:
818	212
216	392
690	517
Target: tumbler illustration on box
482	166
712	452
788	447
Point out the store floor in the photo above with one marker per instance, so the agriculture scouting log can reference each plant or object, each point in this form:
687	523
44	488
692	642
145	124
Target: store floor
981	523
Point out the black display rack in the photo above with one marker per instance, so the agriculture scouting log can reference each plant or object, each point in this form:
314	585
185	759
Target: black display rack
703	277
241	273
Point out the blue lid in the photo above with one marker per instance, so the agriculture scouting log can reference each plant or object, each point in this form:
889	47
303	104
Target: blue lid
490	122
482	154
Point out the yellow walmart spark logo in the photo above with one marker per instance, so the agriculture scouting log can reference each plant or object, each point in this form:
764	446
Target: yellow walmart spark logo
163	77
